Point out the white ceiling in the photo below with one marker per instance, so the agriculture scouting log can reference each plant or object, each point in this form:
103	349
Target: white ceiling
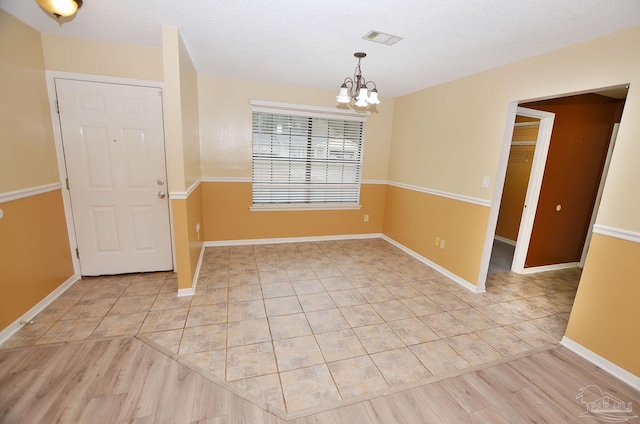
311	43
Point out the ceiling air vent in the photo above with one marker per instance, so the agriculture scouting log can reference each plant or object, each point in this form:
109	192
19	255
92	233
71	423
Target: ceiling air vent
381	37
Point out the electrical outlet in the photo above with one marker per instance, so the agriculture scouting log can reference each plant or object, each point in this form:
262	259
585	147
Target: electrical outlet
366	218
437	242
442	244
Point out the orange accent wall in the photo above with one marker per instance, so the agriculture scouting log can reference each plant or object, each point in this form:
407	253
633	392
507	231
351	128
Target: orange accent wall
186	214
415	219
604	318
35	256
227	215
577	151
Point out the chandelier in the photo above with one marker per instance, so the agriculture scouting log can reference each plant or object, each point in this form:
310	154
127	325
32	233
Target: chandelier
356	89
60	8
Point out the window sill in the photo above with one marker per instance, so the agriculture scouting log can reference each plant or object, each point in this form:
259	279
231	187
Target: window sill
297	207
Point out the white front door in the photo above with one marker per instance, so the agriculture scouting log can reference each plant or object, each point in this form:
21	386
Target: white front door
113	142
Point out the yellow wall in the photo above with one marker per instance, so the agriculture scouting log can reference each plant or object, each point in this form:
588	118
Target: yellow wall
102	58
226	145
35	257
189	114
604	318
225	124
27	151
183	152
415	219
432	147
227	215
34	253
186	214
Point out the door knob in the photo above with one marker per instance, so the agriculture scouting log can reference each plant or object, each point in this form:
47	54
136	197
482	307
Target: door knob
161	194
160	181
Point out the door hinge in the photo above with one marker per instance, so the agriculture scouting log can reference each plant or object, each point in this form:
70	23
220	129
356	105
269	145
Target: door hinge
67	182
57	108
160	93
77	253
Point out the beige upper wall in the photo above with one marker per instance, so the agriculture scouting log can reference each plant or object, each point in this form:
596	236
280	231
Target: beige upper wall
448	137
190	119
102	58
172	108
225	124
27	149
180	111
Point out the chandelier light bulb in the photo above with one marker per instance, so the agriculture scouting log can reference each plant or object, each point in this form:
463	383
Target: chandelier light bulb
373	97
343	96
60	8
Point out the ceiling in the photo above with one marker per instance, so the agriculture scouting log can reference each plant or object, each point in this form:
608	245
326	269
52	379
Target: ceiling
311	43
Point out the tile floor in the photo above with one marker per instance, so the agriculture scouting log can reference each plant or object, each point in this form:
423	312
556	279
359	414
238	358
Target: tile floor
302	325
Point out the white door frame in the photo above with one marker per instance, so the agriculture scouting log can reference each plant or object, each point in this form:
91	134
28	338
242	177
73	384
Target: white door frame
533	189
544	137
57	136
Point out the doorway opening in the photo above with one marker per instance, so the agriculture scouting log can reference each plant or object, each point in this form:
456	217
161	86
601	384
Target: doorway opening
554	218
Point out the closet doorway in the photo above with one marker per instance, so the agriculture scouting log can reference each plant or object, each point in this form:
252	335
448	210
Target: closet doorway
525	168
566	177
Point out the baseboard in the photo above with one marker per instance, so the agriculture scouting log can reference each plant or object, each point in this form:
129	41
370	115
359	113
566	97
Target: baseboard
192	290
599	361
544	268
39	307
292	240
505	240
464	283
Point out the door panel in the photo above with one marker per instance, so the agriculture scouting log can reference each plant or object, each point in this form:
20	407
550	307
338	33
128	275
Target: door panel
114	152
577	152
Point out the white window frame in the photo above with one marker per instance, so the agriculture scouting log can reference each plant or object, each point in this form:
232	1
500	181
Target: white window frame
310	112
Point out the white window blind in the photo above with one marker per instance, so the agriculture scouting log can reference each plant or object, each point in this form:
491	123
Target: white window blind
306	159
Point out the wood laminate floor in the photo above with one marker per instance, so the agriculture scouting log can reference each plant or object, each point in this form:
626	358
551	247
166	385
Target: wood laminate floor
123	380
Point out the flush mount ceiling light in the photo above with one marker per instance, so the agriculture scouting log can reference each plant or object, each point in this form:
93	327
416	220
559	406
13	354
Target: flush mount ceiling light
356	89
60	8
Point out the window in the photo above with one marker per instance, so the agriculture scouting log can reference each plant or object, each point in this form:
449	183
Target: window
302	158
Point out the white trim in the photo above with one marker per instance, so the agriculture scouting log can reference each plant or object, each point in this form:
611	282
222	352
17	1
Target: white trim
604	364
192	290
460	197
184	195
248	180
292	240
464	283
28	192
308	110
497	195
504	240
534	187
544	268
104	79
618	233
28	316
226	179
304	207
186	292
